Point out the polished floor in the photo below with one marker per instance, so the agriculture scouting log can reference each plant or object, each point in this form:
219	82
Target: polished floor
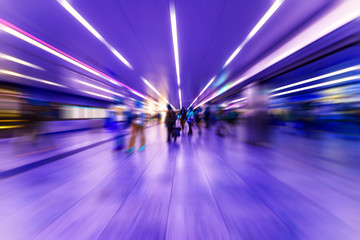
202	187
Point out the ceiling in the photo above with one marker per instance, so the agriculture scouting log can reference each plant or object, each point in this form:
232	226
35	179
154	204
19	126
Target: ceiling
208	33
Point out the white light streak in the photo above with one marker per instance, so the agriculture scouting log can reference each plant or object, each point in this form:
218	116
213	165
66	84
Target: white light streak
207	85
341	80
175	44
237	100
154	89
99	88
179	98
91	29
98	95
15	74
345	70
262	21
19	61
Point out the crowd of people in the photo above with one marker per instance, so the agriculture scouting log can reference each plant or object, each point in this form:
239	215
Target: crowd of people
176	122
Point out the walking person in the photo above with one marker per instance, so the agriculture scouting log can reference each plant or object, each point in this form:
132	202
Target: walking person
137	128
120	130
170	122
190	119
177	128
182	118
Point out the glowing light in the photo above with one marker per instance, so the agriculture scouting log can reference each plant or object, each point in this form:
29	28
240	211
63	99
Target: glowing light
224	88
341	80
175	44
234	103
150	86
345	70
175	40
153	88
15	74
193	102
17	32
10	127
345	12
91	29
207	85
19	61
232	106
262	21
100	88
98	95
257	27
237	100
179	98
14	120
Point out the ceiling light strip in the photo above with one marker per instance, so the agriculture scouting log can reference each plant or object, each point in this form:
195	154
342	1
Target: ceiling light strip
154	89
207	85
322	28
91	29
175	40
353	68
262	21
19	33
175	45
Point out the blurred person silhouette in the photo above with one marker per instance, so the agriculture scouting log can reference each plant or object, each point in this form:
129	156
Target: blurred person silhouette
207	117
158	116
177	128
138	120
221	129
170	122
190	117
120	128
198	119
182	118
119	136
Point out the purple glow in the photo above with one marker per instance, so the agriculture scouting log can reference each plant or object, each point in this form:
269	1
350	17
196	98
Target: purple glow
9	25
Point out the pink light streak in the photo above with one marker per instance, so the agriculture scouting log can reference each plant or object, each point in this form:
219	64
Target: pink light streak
9	25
